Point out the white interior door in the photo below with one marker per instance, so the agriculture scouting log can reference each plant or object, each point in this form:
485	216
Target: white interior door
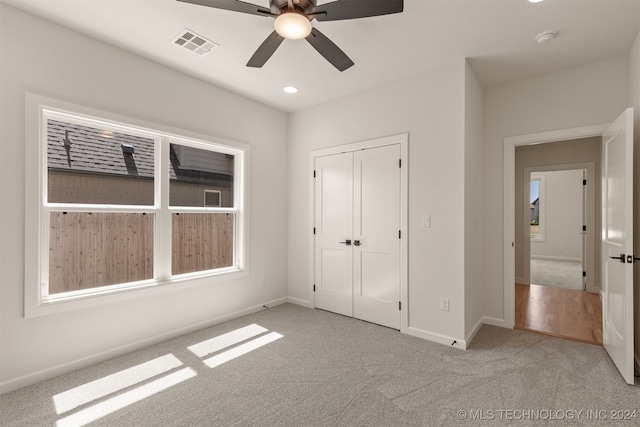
617	214
357	241
376	268
334	230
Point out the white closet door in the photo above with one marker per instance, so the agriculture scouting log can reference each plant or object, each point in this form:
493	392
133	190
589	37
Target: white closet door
376	239
334	229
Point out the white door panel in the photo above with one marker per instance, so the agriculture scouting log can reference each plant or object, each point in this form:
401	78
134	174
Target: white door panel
334	224
376	226
617	212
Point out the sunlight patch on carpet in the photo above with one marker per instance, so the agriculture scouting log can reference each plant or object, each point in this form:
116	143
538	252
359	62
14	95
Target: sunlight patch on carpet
226	340
123	400
240	350
93	390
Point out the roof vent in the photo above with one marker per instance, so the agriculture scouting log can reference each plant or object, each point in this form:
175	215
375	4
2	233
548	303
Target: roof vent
127	148
194	42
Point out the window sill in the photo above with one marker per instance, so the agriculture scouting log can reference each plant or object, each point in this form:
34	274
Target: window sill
71	301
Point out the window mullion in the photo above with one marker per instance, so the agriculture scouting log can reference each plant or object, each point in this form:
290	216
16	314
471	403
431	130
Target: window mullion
162	264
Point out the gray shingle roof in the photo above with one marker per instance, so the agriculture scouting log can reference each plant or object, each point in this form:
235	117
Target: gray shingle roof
93	150
98	151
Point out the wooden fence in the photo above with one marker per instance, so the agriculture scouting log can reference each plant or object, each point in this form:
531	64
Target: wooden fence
201	241
90	250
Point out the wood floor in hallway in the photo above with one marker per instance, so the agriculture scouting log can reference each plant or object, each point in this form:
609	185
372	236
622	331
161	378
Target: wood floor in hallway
563	313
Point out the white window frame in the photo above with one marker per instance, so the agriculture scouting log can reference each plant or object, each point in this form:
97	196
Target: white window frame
541	209
37	301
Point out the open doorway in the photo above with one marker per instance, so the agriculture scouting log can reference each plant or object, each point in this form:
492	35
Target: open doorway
557	228
556	273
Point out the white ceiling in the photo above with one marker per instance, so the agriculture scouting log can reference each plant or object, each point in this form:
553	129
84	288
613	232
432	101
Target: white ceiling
496	35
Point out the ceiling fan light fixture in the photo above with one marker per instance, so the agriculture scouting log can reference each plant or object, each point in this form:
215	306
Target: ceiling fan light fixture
292	25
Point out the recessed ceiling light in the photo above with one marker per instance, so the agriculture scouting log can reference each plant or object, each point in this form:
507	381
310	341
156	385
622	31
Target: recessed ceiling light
535	1
290	89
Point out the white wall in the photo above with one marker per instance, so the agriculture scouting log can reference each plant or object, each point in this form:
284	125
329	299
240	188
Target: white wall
634	101
430	107
590	94
563	216
472	204
47	59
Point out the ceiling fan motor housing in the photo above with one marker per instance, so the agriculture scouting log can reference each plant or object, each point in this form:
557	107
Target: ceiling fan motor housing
304	6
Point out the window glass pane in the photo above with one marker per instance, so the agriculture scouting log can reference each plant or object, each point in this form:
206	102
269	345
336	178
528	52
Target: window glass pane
201	241
194	171
90	249
534	195
96	166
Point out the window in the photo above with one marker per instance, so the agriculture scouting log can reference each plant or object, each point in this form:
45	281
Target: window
121	206
537	208
211	198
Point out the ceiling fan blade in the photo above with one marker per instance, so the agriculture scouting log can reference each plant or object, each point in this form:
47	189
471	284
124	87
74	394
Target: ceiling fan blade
351	9
329	50
266	49
232	5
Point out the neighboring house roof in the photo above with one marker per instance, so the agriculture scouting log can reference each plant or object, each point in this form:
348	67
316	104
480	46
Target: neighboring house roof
79	148
97	151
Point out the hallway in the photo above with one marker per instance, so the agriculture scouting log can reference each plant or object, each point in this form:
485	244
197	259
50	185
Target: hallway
563	313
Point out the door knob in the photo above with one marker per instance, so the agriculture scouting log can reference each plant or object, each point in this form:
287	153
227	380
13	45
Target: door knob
356	243
621	258
346	242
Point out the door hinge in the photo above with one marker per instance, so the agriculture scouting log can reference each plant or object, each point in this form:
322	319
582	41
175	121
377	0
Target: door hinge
314	230
314	288
584	274
399	163
399	234
399	305
314	174
584	228
584	182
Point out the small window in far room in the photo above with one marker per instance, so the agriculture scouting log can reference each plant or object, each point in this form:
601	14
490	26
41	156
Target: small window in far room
537	208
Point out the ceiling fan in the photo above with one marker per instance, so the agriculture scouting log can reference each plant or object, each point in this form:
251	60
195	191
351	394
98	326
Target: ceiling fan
293	21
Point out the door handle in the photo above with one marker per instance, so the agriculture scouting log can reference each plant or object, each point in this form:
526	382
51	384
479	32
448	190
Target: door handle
621	258
346	242
356	243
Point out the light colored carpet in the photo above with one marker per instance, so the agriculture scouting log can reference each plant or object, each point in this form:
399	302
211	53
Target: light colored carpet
330	370
561	274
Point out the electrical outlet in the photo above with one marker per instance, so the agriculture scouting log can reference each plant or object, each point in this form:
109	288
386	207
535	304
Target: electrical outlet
444	304
261	281
426	221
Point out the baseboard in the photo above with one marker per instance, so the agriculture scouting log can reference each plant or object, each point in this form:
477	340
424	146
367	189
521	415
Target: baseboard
637	359
520	280
474	331
64	368
556	258
438	338
495	322
301	302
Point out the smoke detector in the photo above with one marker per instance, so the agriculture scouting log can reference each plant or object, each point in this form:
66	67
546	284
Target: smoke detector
546	37
194	42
